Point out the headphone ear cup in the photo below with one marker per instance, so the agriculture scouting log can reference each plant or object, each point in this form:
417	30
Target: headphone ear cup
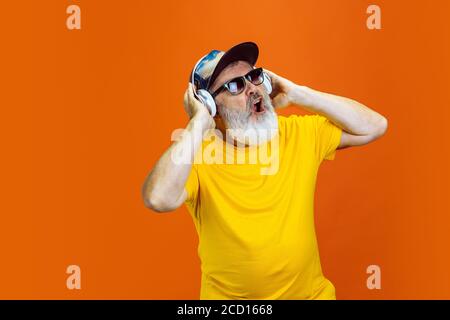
206	98
267	83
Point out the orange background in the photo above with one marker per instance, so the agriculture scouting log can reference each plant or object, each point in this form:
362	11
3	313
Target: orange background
87	113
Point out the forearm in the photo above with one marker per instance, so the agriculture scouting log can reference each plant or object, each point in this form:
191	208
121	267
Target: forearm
348	114
164	185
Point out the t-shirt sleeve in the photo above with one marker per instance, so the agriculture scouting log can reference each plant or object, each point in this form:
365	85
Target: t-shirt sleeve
327	136
192	188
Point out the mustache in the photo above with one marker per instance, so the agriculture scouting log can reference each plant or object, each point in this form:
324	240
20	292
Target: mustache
264	97
242	116
251	100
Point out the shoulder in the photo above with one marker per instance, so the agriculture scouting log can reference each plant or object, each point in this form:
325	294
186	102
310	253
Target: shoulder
300	122
286	121
314	126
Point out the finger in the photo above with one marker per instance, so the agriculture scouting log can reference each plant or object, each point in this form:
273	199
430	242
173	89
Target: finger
187	100
186	94
270	73
280	101
192	100
190	92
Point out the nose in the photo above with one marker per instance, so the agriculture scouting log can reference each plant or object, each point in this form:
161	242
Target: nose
250	89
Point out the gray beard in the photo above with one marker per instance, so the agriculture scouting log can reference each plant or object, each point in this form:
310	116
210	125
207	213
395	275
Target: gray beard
242	130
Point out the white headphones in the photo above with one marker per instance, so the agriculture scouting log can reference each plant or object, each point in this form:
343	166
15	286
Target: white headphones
206	98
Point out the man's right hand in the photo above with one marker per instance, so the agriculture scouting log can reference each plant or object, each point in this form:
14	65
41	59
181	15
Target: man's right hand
196	110
164	189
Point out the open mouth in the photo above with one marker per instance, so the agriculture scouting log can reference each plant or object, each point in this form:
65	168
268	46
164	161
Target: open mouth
258	106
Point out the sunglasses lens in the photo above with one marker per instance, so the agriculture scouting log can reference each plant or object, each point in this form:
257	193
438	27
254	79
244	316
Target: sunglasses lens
256	76
236	86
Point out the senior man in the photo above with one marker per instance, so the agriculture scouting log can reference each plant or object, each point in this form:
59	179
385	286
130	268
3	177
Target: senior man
256	231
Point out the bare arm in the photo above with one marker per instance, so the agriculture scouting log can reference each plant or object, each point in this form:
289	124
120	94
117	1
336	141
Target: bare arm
359	123
163	190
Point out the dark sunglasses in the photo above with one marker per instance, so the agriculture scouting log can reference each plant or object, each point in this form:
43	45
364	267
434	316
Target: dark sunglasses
236	85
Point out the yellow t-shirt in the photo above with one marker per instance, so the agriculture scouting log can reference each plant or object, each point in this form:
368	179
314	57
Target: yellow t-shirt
256	231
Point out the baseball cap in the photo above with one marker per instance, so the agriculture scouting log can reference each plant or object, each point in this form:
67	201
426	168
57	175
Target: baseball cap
210	66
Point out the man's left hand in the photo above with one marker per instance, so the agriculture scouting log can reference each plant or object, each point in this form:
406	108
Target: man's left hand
284	91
